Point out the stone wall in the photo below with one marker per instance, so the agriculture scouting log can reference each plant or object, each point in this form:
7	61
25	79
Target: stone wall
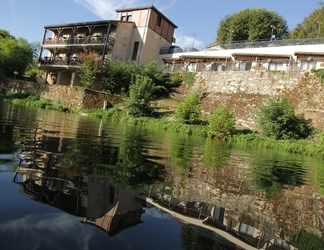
68	96
243	90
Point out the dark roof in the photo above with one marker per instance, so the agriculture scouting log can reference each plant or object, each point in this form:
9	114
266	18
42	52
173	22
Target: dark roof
148	7
68	25
253	55
306	53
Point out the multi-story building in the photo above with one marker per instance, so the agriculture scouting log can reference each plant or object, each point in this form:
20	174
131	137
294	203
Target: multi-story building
137	34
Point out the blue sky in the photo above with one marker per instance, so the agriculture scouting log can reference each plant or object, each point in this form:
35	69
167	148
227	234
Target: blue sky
27	19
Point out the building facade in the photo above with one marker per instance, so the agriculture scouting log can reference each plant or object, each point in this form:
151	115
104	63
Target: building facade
137	34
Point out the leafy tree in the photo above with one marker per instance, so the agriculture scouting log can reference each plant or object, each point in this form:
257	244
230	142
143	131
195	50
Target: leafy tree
116	77
221	122
188	110
251	24
90	67
15	54
277	119
311	25
140	93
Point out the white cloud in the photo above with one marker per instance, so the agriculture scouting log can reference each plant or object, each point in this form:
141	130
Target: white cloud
106	9
12	5
186	41
166	4
62	226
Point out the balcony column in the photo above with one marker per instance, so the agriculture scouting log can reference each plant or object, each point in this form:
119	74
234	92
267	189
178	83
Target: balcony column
106	41
58	79
72	79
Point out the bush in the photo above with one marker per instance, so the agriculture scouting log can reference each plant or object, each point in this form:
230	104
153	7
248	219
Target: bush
116	77
188	110
90	66
277	120
221	122
140	93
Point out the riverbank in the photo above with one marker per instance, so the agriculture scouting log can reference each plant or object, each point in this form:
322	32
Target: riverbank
162	119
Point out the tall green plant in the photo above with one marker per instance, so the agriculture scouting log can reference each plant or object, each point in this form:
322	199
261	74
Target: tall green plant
91	65
188	110
140	93
277	120
221	122
116	77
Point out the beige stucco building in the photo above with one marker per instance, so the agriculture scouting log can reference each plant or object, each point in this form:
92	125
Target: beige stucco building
137	34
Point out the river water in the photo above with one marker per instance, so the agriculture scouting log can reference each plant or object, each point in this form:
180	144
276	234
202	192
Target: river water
72	182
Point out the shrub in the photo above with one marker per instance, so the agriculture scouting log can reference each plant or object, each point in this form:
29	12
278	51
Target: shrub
140	93
116	77
91	64
189	78
188	110
319	73
221	122
277	120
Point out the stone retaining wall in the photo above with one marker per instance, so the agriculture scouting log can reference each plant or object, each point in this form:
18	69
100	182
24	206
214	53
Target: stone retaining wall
242	91
68	96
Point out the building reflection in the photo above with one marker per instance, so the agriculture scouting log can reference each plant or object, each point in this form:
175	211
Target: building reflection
43	177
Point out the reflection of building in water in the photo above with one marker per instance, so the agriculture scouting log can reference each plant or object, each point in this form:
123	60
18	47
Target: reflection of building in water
42	177
110	208
230	224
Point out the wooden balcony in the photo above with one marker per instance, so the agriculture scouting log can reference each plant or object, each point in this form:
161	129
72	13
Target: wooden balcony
60	61
78	40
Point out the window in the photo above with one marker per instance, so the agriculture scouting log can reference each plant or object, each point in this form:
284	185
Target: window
306	65
135	51
126	16
112	191
242	66
159	20
275	66
245	65
246	229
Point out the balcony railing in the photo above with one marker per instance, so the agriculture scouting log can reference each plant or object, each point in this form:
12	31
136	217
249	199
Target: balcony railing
64	61
89	40
245	66
244	44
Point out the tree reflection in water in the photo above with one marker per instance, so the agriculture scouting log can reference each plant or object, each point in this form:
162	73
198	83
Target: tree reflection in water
271	175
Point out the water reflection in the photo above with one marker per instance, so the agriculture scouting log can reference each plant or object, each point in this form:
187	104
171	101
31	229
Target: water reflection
64	181
111	176
271	175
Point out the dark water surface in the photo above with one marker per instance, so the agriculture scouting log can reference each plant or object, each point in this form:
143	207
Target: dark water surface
71	182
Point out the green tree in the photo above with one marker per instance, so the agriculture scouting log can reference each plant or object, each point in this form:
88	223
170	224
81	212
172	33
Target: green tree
91	65
116	77
251	24
140	93
277	120
221	122
188	110
15	54
311	26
